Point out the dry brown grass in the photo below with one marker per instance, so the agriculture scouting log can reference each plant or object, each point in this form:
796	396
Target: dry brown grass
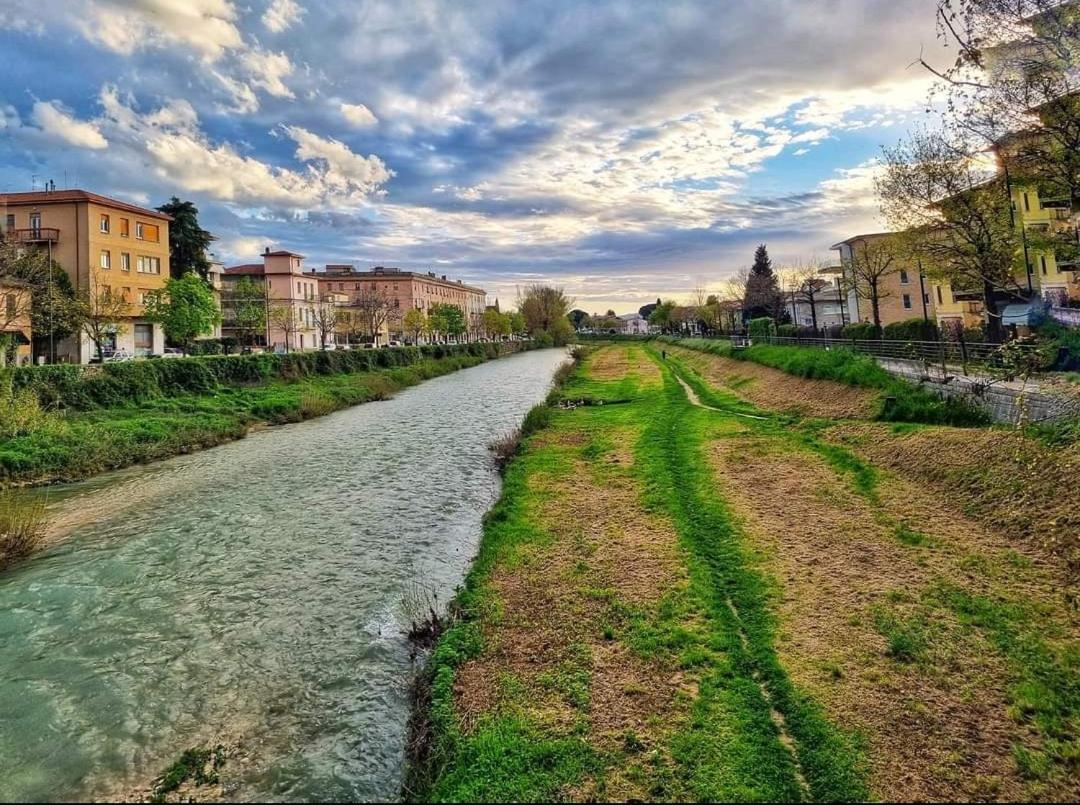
555	602
774	390
937	729
1006	480
609	363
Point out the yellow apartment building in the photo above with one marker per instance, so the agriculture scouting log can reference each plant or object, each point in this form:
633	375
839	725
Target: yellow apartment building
904	292
105	245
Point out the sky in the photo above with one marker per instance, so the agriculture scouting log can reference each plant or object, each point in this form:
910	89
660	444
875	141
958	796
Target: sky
622	150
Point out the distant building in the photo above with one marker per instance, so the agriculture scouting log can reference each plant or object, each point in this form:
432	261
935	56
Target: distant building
290	296
634	324
105	246
903	294
405	290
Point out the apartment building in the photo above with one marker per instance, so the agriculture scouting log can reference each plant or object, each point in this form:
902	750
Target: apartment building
107	247
289	293
404	290
904	291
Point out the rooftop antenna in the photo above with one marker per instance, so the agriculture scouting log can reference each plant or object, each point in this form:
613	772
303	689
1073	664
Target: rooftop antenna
33	182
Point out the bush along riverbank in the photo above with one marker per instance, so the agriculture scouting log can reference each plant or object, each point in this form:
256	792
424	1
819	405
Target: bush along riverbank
682	597
89	420
896	400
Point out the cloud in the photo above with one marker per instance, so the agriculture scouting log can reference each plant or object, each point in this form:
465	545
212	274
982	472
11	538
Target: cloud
358	115
281	14
57	123
266	71
343	169
208	27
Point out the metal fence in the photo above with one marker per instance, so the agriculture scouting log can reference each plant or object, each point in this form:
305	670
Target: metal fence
937	352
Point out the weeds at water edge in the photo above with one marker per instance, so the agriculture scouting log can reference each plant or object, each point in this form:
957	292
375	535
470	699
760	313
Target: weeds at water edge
22	527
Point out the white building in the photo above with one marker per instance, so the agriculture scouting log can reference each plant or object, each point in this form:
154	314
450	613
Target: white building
634	324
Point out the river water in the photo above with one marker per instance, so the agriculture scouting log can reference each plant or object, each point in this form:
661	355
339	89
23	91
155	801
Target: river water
252	594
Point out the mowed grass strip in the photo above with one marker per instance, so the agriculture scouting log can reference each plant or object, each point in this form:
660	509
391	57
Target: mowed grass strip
613	647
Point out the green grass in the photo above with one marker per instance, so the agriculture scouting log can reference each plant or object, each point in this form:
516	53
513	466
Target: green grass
900	401
81	443
717	628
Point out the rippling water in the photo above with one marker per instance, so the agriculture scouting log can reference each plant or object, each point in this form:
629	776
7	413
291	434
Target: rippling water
253	593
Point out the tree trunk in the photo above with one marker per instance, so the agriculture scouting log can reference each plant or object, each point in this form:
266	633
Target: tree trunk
995	332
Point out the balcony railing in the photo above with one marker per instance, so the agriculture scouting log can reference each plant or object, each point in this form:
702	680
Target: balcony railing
41	234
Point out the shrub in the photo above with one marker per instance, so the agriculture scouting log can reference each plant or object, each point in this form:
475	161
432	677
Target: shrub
787	330
22	526
911	330
860	331
760	328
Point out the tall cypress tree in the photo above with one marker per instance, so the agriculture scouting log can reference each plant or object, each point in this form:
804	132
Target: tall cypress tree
762	289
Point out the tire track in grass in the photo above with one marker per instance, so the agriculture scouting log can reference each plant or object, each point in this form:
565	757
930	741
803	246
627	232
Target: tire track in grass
825	764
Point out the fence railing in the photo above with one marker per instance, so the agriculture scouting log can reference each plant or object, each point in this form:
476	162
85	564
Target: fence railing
947	351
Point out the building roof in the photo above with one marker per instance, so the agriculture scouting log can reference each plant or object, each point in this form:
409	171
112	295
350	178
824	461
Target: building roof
248	269
862	237
282	253
390	274
40	197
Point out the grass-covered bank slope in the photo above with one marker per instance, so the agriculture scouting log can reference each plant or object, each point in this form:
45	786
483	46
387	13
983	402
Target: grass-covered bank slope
135	412
678	603
884	396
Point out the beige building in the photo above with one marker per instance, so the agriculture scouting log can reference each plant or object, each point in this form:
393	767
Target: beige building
406	290
904	293
106	246
290	296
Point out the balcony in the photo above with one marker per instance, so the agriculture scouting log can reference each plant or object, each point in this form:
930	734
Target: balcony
39	234
966	294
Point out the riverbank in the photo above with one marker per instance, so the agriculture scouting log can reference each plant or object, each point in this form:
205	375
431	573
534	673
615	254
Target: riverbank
136	413
681	602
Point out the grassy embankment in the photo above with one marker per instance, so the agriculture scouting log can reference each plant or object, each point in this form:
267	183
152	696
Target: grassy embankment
672	602
142	411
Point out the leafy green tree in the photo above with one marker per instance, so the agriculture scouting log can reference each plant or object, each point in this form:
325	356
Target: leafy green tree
447	320
663	316
517	322
544	308
188	242
54	314
185	308
578	318
496	323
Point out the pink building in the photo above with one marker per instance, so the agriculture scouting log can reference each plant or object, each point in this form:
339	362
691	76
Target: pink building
290	297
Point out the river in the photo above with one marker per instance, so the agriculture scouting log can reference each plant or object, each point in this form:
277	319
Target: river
251	594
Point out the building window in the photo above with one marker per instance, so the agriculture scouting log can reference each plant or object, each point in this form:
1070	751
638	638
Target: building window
125	261
903	276
10	221
104	225
144	338
939	300
35	222
1027	203
926	299
9	304
148	265
1042	263
124	228
146	232
106	258
907	301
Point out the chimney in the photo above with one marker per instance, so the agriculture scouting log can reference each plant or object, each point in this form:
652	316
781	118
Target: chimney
266	250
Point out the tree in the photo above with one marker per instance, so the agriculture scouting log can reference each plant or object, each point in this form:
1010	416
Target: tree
517	322
960	221
283	316
866	273
646	310
578	318
496	324
763	297
188	242
544	308
185	308
48	298
101	313
663	316
373	311
326	315
415	323
448	320
245	309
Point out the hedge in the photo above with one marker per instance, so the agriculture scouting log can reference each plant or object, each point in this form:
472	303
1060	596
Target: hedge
118	384
911	330
860	331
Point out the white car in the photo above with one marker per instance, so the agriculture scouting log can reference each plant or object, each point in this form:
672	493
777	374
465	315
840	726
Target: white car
172	352
119	356
394	344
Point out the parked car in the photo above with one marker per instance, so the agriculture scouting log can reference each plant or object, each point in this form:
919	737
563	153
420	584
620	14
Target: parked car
173	352
368	345
119	356
394	344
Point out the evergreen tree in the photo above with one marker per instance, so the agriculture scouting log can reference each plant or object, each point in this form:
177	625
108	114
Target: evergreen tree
763	297
188	241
